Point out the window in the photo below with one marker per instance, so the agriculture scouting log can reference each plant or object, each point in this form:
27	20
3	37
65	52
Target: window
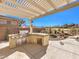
3	22
8	22
14	23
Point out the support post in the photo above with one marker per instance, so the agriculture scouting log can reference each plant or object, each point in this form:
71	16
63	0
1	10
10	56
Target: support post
31	29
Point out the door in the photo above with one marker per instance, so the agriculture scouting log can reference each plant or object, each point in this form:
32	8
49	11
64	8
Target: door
39	41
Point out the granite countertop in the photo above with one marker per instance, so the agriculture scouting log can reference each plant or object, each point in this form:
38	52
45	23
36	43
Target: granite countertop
39	34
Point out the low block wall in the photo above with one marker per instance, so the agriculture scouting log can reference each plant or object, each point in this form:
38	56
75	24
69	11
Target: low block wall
16	40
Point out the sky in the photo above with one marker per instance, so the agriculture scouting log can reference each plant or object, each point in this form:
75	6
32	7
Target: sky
66	17
69	16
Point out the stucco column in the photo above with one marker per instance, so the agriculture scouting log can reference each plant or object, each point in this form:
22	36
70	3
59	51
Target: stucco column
31	29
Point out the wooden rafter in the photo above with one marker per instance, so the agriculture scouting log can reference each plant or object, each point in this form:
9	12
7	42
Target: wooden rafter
33	9
0	1
36	8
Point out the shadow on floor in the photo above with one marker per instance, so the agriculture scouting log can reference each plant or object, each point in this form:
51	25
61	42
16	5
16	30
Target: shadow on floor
56	39
34	51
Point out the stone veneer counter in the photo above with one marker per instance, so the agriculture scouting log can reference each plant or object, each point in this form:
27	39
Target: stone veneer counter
38	34
38	38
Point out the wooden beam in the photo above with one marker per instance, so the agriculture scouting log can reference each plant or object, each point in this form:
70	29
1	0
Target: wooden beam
0	1
69	1
36	11
21	9
46	5
17	11
36	5
50	2
14	13
32	9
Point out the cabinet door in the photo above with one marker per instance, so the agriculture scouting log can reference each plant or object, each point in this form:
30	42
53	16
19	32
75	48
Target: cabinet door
39	41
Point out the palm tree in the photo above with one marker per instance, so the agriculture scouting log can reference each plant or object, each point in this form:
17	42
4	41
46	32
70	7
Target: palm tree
21	22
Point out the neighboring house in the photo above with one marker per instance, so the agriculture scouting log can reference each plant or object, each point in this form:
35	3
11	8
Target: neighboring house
8	26
68	30
35	29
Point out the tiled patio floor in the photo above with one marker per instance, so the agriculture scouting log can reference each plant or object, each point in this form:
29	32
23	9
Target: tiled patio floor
63	49
26	51
68	49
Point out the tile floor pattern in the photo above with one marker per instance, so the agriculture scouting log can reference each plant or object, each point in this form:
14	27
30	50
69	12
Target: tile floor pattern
68	49
55	50
26	51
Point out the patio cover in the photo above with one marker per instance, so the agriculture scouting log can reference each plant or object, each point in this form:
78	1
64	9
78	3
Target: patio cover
33	9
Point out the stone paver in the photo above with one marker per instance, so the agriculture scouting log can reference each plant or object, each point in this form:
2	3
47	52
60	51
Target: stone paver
69	49
26	51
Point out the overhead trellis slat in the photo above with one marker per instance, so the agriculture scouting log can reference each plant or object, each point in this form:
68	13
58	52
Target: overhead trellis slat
18	10
13	11
34	8
29	8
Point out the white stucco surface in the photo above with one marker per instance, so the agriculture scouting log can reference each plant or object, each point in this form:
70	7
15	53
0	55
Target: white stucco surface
69	49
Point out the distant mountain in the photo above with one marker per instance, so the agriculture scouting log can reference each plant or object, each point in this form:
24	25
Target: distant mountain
67	26
71	25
